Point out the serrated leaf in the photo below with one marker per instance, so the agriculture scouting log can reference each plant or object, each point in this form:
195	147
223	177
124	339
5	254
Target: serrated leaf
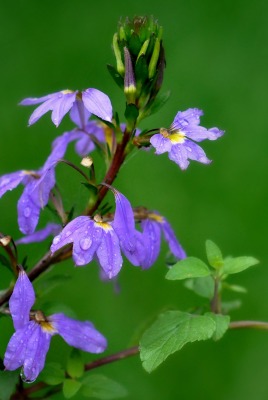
70	388
52	374
238	264
222	324
101	387
172	331
204	287
214	254
8	381
75	365
189	267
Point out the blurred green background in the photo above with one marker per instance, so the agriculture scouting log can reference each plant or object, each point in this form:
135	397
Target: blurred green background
217	57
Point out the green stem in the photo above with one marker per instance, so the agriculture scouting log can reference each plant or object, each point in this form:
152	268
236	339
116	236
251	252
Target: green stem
248	324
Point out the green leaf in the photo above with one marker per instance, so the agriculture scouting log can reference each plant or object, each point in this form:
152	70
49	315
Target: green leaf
238	264
234	288
214	254
75	365
52	374
204	287
131	113
222	324
172	331
116	76
190	267
228	306
47	284
70	388
101	387
158	103
8	381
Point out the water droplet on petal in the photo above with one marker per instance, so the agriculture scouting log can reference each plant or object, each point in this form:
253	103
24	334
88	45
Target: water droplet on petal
68	233
24	378
27	212
56	240
85	243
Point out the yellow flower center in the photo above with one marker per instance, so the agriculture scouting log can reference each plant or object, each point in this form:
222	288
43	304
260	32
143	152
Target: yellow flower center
175	138
156	217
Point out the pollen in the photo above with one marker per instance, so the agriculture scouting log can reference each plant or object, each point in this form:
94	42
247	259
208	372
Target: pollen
156	217
67	91
99	222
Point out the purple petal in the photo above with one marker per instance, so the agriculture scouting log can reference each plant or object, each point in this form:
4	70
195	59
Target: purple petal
59	147
63	104
160	143
79	114
195	152
36	100
36	351
86	243
185	118
172	241
124	223
48	105
136	256
152	240
71	232
21	300
109	254
198	133
40	189
16	348
84	145
11	181
179	155
42	234
81	335
98	103
28	212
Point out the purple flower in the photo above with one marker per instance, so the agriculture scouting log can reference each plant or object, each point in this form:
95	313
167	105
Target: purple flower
178	139
42	234
37	187
97	238
89	101
29	344
148	241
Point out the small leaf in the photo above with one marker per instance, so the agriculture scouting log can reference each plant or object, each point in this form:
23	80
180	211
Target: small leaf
116	76
70	388
131	113
234	288
204	287
190	267
238	264
158	103
172	331
228	306
222	324
52	374
101	387
8	381
75	365
214	254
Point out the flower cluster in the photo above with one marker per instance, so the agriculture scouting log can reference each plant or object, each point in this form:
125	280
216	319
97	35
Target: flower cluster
29	344
105	240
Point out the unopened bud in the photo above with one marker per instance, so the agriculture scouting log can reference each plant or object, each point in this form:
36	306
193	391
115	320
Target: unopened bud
87	162
4	241
129	81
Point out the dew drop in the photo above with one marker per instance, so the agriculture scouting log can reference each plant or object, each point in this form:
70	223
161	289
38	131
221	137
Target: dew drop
68	233
24	378
56	240
85	243
27	212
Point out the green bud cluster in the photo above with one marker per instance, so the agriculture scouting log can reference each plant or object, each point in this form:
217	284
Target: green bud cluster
140	61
